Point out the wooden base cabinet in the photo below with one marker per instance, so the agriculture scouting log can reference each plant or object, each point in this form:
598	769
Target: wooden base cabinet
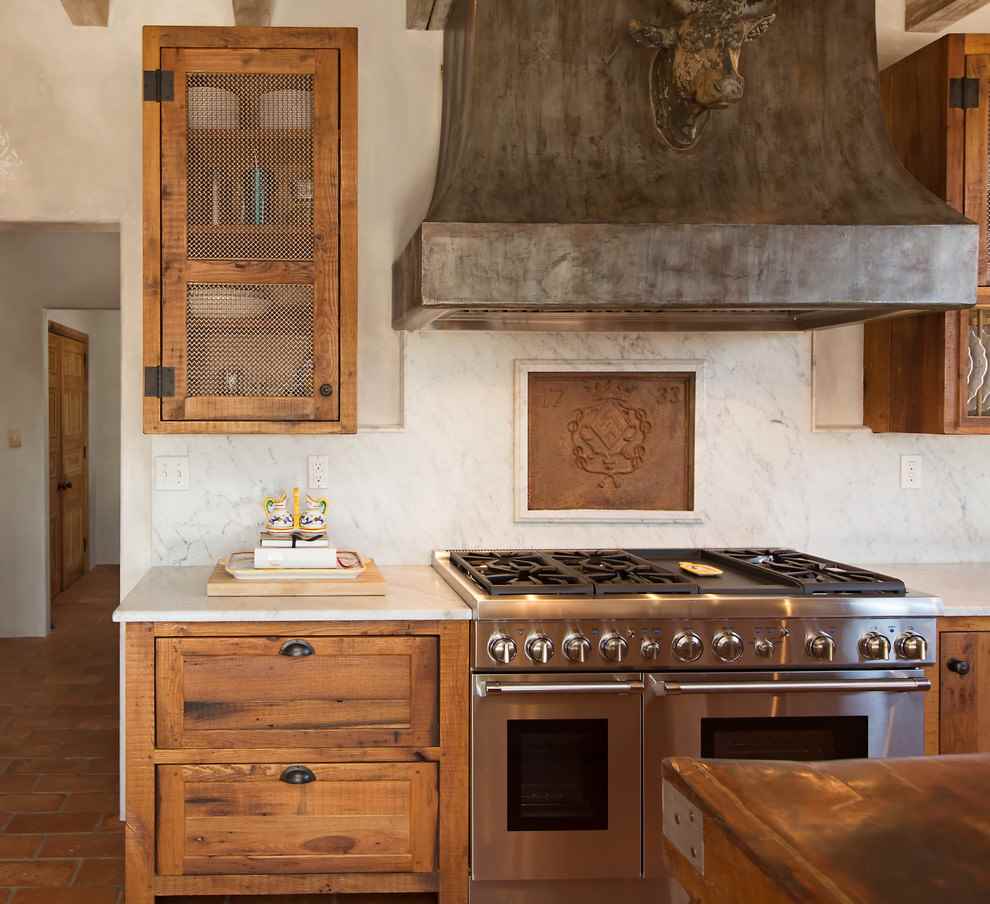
958	712
926	373
250	230
297	759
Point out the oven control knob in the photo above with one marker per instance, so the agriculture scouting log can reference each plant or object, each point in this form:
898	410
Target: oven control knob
651	649
728	646
688	646
822	646
763	647
614	647
577	648
874	646
911	646
502	649
539	648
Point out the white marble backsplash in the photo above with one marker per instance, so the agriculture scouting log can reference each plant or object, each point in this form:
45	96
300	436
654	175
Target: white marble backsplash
446	480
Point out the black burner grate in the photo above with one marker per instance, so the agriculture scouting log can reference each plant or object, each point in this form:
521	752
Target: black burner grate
812	574
618	571
511	573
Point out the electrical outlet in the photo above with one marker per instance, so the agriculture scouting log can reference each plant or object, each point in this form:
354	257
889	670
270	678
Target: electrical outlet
14	439
319	472
172	472
911	472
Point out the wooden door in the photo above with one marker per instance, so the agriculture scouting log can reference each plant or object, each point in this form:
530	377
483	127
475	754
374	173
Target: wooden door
964	696
251	819
68	455
250	235
54	469
977	184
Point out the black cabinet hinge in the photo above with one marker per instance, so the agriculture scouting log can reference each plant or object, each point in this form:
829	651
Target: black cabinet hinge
159	85
964	93
159	382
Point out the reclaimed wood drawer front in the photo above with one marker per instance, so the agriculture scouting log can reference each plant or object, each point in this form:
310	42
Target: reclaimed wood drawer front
244	692
231	820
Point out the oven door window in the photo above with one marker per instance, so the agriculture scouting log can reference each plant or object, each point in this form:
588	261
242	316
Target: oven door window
805	738
557	775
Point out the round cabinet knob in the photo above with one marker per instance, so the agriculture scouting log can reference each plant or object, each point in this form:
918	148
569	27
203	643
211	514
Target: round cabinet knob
874	646
821	647
577	648
911	646
688	646
728	646
960	666
651	649
763	647
502	649
614	648
540	649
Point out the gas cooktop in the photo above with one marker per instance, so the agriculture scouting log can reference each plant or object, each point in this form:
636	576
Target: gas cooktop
612	572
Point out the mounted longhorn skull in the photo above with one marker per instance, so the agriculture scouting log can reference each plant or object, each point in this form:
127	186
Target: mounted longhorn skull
696	68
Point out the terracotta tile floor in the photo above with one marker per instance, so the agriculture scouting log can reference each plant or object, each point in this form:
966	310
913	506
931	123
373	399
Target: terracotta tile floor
60	840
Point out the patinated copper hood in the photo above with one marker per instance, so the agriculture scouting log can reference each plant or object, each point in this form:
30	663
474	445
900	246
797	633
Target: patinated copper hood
624	166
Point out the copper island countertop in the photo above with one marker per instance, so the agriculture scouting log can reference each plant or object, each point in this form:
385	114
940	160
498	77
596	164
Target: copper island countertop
911	831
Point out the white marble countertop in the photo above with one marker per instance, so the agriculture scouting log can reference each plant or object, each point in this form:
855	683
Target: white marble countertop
415	593
964	587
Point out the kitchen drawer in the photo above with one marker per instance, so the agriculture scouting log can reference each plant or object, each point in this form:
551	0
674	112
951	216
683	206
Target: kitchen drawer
248	692
250	819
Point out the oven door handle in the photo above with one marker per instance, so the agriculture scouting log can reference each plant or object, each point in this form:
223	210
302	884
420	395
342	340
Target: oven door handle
665	688
493	688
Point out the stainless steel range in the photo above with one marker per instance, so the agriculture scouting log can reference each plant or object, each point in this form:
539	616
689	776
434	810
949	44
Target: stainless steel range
592	666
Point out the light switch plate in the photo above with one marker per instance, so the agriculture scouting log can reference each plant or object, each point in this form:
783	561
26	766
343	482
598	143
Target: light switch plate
14	439
172	472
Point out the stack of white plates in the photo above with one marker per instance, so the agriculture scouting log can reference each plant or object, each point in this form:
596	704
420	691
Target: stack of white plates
291	108
213	108
225	303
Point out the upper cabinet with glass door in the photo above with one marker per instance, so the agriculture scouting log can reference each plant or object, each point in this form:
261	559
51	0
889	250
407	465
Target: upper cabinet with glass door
928	373
250	230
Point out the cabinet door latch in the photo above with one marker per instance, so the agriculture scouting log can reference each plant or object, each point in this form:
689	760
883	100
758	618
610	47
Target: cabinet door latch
159	85
964	93
159	382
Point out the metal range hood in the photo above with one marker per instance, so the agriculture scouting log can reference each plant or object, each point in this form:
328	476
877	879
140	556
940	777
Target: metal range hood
672	165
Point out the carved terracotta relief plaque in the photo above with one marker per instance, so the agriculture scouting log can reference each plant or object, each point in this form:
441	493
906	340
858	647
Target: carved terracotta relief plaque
611	441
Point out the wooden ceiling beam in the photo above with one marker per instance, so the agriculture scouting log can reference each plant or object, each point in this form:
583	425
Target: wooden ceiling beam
87	12
429	14
253	13
937	15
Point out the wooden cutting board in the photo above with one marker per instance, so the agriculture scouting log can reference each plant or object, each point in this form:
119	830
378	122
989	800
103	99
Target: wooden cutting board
369	583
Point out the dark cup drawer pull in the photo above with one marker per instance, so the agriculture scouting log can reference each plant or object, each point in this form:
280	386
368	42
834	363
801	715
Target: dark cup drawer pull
298	775
296	648
959	666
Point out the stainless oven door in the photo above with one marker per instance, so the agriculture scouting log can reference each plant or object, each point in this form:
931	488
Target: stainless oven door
556	777
775	716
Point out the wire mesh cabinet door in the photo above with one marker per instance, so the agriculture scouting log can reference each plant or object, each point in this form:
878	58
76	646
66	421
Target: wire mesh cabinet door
251	237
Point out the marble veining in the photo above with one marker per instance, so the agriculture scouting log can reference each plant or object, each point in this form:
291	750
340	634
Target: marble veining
447	479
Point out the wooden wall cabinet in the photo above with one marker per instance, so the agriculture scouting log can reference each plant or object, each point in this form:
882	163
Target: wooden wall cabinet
250	236
922	371
253	771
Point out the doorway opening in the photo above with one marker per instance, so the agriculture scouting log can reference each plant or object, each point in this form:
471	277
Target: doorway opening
60	413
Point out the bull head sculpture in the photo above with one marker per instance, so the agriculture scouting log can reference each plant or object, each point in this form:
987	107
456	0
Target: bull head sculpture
696	67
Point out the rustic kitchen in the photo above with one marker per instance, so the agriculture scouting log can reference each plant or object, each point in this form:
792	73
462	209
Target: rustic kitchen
555	453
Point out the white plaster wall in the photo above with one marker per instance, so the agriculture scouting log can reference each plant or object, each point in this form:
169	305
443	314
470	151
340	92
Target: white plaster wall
103	329
37	270
70	150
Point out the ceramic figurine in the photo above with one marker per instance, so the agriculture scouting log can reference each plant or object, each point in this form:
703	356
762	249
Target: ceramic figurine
314	519
278	518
